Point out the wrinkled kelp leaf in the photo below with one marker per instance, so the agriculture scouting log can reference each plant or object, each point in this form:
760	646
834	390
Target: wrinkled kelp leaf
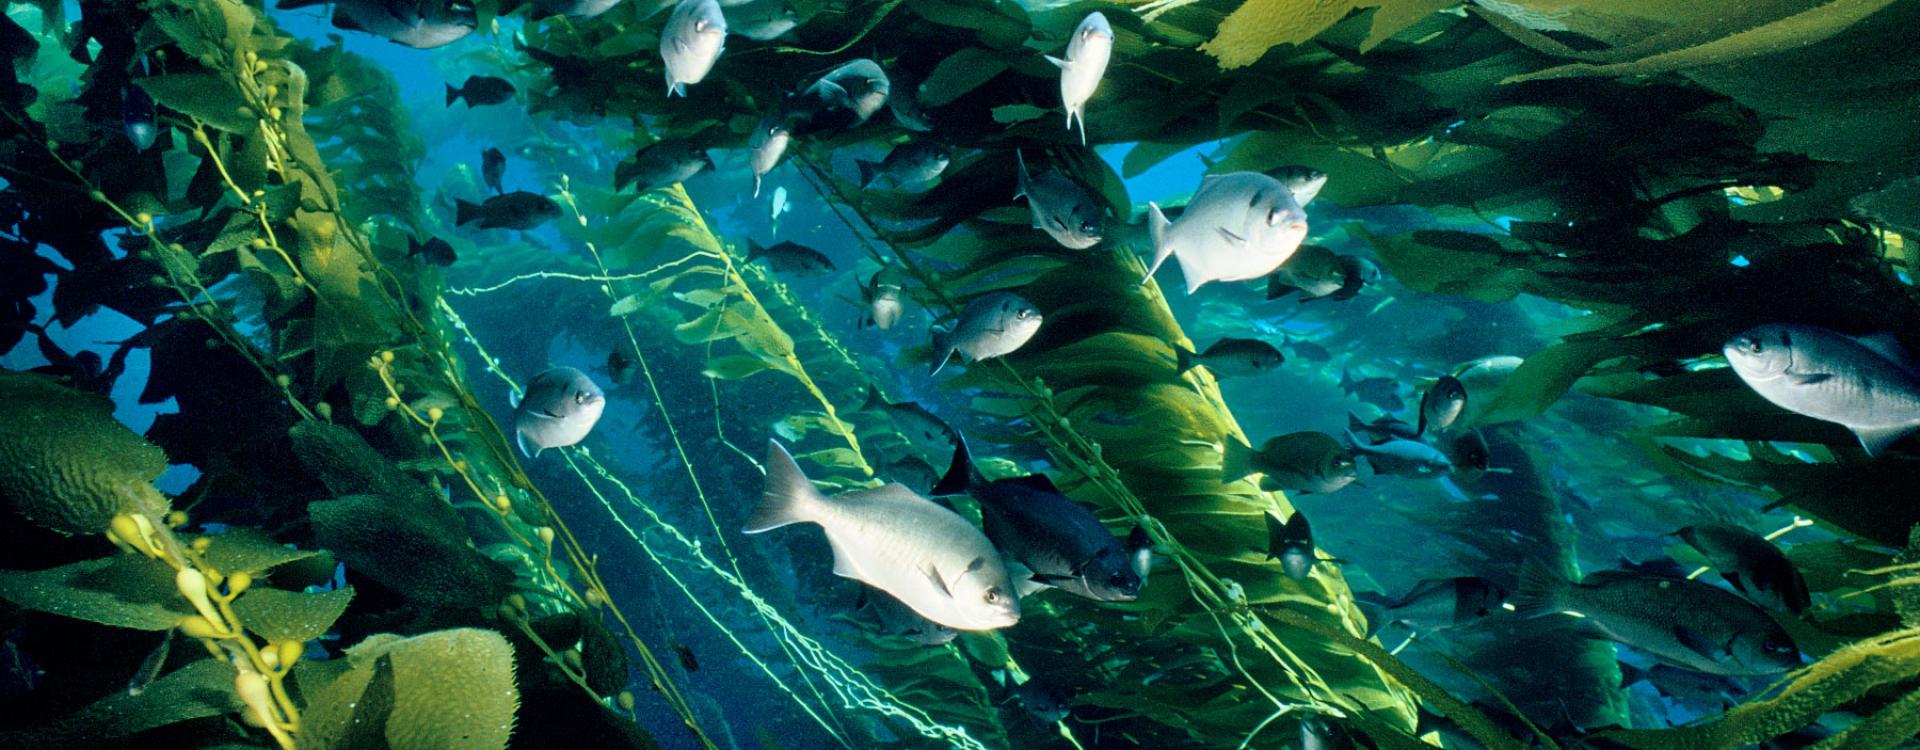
278	615
451	689
66	464
128	591
244	550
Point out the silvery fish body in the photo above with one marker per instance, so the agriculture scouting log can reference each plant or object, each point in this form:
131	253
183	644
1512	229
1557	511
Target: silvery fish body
1443	403
768	144
1238	226
884	299
1407	458
691	43
1060	207
843	98
925	555
1868	384
1303	182
1313	272
137	113
907	164
1086	63
420	24
558	409
761	20
992	325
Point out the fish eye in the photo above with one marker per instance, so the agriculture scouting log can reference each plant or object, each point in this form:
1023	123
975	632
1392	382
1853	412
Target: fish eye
993	595
1755	346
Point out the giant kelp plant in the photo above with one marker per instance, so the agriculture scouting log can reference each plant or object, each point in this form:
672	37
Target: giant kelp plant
364	560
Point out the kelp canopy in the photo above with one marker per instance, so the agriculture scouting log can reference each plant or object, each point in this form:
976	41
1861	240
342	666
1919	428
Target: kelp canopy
1679	171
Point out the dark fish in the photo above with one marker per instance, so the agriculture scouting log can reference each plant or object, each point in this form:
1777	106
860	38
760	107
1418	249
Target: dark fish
1655	567
1684	684
1309	350
791	258
688	661
559	408
516	210
1057	539
891	617
883	299
991	325
843	98
420	24
1469	452
1406	458
1357	274
906	106
907	164
433	252
137	116
1230	357
1686	623
916	474
493	167
1045	700
150	667
1441	604
1381	392
1387	427
620	367
914	421
1442	404
661	164
1306	462
1313	272
1751	564
480	91
1292	544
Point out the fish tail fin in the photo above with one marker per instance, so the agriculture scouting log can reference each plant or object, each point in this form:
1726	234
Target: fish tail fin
1157	225
453	95
1184	360
1373	607
414	247
868	171
1630	674
1276	288
942	350
1877	440
1541	590
755	250
1236	461
875	401
1022	190
960	473
465	213
789	496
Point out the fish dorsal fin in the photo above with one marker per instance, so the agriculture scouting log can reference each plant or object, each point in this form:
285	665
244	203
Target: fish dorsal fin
933	574
1885	345
1035	482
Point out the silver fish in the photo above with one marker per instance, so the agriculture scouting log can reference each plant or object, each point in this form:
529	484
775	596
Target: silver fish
992	325
691	42
1238	226
891	617
778	205
1292	544
1303	182
907	164
1688	623
1868	384
1407	458
883	298
1086	63
761	20
1060	207
889	538
559	408
768	143
1443	403
420	24
843	98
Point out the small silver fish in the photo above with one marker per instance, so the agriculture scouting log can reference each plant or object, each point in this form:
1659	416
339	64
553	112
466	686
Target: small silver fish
1292	544
779	204
420	24
761	20
907	164
768	143
1443	403
1060	207
883	298
1407	458
1867	384
691	42
558	409
992	325
150	667
843	98
1237	226
1086	63
1303	182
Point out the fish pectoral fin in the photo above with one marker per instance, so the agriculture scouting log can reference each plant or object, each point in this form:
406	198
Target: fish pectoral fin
1698	643
933	574
1231	237
1059	63
1809	378
1733	579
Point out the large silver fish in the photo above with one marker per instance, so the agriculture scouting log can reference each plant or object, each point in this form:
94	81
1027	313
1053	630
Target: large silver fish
766	146
692	41
992	325
558	409
1060	207
1086	63
1238	226
1868	384
889	538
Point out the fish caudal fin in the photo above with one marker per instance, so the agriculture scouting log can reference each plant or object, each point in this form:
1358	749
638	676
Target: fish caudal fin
453	95
1878	439
875	402
1021	191
754	250
520	438
942	351
868	171
1236	461
1184	360
1541	590
1157	226
960	471
1277	288
465	213
789	496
